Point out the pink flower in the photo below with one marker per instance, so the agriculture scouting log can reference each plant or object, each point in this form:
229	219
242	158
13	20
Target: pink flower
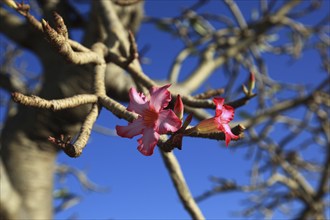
223	115
152	121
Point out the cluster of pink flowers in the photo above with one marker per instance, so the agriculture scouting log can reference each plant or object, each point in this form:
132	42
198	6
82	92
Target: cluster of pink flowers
154	120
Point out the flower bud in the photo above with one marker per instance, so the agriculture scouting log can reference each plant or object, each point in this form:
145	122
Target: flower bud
252	82
178	107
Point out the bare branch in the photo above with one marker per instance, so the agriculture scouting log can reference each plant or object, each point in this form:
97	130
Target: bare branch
57	104
11	83
234	9
117	109
81	176
208	64
181	187
75	149
64	48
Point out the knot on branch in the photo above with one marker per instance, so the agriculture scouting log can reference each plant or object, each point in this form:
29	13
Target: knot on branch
66	145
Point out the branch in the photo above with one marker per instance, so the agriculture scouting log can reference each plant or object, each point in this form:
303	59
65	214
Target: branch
133	69
75	149
126	2
113	25
234	9
57	104
237	130
15	29
117	109
80	175
11	83
60	42
59	39
317	207
208	63
191	101
281	107
227	186
10	77
180	185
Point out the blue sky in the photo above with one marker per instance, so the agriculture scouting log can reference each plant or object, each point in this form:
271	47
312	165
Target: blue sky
139	186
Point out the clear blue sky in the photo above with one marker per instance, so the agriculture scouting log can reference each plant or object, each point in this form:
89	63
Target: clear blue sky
139	186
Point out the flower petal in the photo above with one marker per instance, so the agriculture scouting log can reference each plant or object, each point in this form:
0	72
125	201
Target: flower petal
227	114
148	141
229	135
219	103
132	129
159	97
167	121
138	102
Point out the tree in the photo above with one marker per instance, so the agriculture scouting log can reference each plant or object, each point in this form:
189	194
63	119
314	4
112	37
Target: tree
79	79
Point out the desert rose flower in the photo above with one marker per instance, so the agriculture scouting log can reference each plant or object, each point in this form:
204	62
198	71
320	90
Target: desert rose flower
223	115
153	119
